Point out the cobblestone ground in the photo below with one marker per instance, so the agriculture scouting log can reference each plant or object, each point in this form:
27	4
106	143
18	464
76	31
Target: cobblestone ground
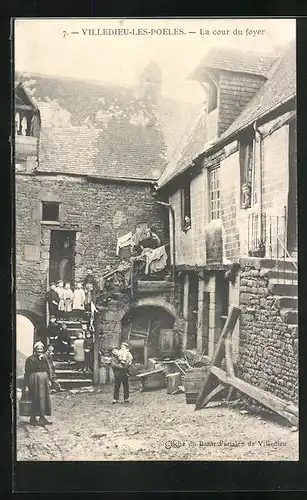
156	426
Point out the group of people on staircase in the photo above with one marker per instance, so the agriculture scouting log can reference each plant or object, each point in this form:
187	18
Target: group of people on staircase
63	300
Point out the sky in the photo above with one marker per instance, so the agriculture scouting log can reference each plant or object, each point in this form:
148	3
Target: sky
48	46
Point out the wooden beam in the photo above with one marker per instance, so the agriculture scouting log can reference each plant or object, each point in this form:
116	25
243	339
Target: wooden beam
219	388
229	363
269	400
218	356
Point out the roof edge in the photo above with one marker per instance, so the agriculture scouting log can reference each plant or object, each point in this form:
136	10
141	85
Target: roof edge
96	177
224	140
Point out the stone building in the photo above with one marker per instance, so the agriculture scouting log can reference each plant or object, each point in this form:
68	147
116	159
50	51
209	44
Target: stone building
87	158
232	190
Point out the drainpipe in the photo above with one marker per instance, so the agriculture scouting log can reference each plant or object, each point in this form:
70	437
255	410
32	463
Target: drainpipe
257	131
172	212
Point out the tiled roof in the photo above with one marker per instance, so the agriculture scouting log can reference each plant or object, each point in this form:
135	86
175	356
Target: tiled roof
192	148
279	87
234	60
104	130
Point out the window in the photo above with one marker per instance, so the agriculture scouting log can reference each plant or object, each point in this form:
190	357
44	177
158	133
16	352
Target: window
186	207
214	193
50	211
246	169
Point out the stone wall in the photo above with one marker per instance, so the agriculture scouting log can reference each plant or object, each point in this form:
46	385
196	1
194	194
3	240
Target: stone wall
268	347
114	318
99	213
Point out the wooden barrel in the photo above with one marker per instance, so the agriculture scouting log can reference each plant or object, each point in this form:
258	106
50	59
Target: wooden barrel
193	382
168	343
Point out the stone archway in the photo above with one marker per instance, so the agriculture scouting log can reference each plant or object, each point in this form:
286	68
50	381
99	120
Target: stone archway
147	317
25	335
34	308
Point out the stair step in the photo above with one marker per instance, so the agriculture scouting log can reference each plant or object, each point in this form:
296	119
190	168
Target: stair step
74	383
286	302
71	374
282	274
287	264
284	289
289	315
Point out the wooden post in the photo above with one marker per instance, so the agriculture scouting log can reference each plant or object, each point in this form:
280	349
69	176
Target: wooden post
200	313
96	367
212	316
218	356
186	288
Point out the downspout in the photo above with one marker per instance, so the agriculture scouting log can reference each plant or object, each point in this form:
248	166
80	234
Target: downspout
172	212
257	131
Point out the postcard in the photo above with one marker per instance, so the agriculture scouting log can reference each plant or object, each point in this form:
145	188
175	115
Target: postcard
156	239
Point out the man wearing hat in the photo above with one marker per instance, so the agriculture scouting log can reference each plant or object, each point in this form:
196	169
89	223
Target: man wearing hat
122	360
53	299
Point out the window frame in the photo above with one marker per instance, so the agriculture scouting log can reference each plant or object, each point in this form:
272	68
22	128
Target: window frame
247	171
216	200
185	193
54	203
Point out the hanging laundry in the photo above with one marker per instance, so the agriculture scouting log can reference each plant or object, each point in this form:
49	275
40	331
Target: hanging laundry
123	241
156	260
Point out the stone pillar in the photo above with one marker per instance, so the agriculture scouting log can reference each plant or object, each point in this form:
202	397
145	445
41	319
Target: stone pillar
234	299
186	289
212	315
200	312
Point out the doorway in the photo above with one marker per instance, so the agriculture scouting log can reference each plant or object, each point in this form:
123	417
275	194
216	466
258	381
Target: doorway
62	256
192	312
25	335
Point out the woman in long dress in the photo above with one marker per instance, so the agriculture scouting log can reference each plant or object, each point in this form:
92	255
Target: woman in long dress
37	379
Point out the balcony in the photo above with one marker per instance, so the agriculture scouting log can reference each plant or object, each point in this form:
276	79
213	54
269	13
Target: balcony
267	236
25	145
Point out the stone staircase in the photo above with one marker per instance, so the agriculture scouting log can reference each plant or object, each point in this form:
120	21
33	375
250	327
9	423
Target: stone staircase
67	374
283	283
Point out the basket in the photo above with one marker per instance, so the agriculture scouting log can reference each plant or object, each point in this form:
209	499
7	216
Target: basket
25	405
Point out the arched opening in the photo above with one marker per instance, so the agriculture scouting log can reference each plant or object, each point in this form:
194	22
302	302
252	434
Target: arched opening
150	320
25	335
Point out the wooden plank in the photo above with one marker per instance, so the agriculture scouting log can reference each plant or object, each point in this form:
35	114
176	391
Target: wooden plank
233	315
219	388
263	397
229	363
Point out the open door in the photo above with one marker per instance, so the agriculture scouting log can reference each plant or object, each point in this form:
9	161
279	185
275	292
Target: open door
62	256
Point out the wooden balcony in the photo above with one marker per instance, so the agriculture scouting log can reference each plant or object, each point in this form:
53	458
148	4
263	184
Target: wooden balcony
154	287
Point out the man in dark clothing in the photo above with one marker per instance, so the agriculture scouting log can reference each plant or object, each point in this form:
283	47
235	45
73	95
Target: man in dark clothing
91	288
121	361
52	298
64	338
151	241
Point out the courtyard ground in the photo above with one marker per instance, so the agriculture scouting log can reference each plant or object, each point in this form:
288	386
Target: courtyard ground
155	426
